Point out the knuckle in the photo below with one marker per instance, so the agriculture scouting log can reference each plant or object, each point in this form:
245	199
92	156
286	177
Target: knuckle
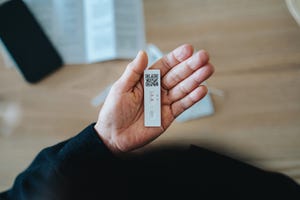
165	62
183	89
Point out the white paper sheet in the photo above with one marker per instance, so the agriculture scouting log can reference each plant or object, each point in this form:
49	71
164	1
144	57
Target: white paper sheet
86	31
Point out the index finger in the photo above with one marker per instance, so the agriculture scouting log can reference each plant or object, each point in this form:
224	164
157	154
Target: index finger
178	55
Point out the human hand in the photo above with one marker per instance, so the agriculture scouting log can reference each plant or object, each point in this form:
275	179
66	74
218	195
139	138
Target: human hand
120	123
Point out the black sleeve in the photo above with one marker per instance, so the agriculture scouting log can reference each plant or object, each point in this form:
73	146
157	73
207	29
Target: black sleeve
58	171
203	174
83	168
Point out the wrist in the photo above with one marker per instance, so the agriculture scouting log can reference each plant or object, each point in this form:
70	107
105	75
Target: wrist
107	141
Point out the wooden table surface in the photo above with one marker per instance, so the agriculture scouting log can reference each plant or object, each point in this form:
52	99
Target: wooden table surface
255	47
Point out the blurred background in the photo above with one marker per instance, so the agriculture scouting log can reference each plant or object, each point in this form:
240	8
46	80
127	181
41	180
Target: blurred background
255	48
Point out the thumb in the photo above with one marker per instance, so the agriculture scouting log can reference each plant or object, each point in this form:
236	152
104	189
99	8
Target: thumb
134	71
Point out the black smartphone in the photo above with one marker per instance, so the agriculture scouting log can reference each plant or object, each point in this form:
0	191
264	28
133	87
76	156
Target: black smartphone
28	45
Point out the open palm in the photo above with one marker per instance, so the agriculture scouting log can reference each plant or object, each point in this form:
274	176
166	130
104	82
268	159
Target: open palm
121	120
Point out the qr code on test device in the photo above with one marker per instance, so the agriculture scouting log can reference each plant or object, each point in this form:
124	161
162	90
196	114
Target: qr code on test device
151	80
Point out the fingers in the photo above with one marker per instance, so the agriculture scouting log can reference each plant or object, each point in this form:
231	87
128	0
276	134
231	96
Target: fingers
180	106
189	84
133	72
185	69
172	59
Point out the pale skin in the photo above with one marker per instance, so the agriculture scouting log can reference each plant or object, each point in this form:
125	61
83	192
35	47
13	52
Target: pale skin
120	123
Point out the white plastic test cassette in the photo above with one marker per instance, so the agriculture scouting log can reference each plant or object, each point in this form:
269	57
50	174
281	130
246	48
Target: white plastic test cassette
152	101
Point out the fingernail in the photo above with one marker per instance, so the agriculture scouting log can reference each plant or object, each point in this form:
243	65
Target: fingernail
137	56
